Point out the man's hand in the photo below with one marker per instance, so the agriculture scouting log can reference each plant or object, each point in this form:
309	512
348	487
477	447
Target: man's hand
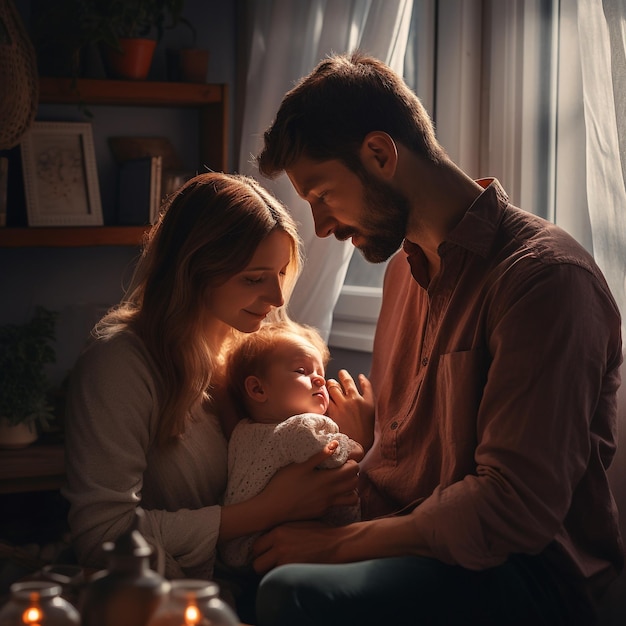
298	542
313	542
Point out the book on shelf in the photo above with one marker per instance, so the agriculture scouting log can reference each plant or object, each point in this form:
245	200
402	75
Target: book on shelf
139	191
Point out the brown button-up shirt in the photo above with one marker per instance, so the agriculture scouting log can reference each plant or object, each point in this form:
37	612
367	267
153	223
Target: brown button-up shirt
496	395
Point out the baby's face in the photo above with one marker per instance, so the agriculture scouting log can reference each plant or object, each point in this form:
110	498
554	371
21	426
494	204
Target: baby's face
294	381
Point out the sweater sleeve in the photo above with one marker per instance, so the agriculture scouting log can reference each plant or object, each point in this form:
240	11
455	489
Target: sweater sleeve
113	466
301	436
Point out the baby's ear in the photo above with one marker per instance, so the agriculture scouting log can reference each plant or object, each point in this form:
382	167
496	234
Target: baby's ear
255	389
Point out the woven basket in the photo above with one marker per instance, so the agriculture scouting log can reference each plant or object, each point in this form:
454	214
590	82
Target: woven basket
19	81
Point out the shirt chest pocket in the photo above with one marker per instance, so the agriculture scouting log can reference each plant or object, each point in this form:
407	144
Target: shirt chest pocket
459	385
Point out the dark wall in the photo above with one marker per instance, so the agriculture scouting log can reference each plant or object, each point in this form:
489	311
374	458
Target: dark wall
82	282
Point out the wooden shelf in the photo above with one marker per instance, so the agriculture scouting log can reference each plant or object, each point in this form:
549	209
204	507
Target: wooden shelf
210	101
211	104
39	467
129	93
72	236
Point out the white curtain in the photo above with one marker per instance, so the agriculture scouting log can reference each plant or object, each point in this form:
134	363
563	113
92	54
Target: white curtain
288	39
602	40
602	36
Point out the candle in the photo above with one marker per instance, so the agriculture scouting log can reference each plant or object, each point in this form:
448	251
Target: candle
32	616
192	602
38	603
192	615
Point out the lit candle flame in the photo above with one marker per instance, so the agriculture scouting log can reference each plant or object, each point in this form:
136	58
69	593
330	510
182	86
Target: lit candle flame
32	616
192	615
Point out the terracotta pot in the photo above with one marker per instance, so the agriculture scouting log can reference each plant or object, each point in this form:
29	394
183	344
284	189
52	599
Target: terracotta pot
194	65
17	436
190	65
134	61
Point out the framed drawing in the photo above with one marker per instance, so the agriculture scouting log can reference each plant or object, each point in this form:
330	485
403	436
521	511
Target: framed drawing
60	175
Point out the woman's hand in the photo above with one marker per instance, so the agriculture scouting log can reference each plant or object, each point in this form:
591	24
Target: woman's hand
300	491
296	492
352	410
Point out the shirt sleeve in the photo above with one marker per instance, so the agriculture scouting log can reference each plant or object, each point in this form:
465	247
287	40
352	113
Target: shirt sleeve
544	419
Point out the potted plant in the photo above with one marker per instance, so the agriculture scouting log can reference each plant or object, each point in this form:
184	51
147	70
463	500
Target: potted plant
25	350
189	63
135	27
72	30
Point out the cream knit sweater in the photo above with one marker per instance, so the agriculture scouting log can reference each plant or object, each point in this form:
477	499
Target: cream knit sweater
257	451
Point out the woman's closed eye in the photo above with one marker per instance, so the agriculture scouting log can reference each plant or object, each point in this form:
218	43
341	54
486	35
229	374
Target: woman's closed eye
255	280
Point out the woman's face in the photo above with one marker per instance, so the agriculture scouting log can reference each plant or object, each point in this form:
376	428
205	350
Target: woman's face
245	299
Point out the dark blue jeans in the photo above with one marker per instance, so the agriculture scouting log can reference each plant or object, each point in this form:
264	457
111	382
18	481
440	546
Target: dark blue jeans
419	591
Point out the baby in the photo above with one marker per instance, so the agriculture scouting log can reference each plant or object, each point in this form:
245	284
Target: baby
276	380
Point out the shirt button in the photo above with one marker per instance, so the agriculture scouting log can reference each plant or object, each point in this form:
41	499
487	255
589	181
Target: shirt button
393	425
425	361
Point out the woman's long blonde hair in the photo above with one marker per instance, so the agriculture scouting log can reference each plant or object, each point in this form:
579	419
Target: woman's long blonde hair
207	232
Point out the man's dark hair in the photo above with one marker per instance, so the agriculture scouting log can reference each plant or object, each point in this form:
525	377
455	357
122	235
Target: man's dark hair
329	112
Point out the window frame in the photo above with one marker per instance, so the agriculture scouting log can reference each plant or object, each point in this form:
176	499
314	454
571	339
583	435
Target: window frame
486	54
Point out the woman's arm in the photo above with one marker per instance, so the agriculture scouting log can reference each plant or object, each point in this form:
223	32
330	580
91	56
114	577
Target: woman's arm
296	492
112	468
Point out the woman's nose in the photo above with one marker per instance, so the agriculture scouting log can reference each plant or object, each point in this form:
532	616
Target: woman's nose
274	294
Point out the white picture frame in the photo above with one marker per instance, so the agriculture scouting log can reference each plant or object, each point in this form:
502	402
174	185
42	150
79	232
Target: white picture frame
60	175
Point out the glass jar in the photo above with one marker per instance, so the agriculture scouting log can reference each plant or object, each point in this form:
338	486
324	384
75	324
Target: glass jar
193	603
70	577
37	603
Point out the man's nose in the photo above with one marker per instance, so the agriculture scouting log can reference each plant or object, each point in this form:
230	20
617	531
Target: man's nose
324	223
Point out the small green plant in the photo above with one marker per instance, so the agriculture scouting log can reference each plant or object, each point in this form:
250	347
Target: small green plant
25	349
141	18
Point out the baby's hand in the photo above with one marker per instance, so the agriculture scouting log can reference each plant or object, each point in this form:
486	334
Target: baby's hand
353	410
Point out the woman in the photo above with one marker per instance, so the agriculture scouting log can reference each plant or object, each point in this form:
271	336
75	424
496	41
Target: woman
142	429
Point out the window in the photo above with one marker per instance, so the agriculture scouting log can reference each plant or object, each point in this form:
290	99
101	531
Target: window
356	312
514	68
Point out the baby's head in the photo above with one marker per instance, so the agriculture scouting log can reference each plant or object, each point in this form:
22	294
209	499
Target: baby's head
278	371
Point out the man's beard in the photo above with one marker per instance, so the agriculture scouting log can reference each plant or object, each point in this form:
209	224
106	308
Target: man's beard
384	221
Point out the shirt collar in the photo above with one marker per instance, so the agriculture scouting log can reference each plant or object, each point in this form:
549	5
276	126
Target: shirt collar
478	227
475	232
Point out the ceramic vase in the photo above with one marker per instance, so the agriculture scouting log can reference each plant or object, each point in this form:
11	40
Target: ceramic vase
18	435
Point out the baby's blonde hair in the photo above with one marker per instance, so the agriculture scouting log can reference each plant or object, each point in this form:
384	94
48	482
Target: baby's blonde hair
250	355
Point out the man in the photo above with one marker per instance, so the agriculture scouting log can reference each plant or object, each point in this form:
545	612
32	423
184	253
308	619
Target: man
495	370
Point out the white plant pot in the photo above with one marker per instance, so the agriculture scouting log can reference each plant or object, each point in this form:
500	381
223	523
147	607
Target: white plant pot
17	436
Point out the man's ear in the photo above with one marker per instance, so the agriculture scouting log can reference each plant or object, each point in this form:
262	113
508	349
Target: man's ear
254	389
379	154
